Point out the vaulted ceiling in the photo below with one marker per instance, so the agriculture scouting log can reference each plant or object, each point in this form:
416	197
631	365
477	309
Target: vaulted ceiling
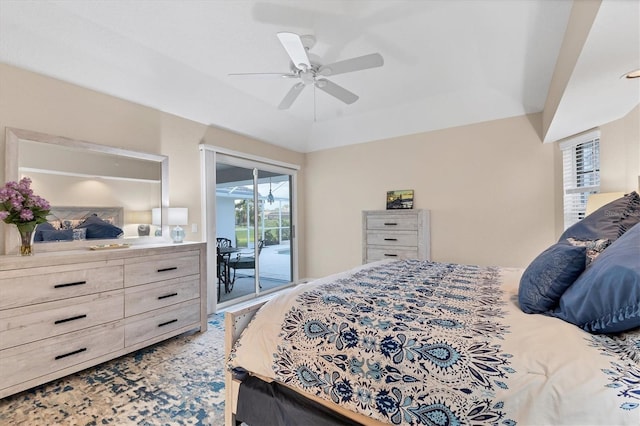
446	62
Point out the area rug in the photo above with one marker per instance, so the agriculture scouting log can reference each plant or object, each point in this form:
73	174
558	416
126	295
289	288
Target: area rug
176	382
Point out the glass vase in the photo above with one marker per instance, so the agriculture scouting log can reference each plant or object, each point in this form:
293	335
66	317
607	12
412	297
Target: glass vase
27	232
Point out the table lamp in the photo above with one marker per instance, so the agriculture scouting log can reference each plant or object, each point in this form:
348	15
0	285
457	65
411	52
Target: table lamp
178	216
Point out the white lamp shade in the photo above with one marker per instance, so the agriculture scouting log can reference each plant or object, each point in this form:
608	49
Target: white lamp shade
178	216
156	216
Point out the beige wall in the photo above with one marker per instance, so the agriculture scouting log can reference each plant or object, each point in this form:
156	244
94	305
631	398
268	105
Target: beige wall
620	153
494	190
34	102
488	186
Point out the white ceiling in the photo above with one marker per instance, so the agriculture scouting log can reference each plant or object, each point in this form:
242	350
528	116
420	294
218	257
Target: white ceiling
447	63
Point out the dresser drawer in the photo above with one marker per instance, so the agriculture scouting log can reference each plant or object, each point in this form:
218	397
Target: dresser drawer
391	239
147	297
156	323
26	362
36	322
393	222
160	268
39	285
376	253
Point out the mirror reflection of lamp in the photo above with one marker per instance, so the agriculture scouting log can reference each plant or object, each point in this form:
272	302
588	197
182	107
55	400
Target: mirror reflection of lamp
142	218
178	216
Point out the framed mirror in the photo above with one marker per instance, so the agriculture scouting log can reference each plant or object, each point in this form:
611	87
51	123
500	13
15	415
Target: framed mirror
83	180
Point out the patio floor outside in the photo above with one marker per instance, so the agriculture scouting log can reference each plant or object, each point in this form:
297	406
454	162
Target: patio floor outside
275	271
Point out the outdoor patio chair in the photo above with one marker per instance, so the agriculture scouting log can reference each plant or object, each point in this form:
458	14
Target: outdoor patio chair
223	265
244	261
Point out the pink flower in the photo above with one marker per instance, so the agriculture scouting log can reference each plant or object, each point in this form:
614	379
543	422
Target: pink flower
40	203
26	215
18	203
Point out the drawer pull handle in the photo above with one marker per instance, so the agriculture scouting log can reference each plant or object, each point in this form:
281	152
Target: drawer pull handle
71	353
391	239
167	295
390	223
69	284
173	268
70	319
167	323
391	255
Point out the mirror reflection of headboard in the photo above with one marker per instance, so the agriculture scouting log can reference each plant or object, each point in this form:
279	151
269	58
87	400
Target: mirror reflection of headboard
77	224
79	174
70	217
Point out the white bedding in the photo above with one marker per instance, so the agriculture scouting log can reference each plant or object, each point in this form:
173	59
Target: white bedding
502	366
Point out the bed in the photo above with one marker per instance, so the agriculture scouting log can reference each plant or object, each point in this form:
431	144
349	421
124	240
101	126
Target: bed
81	223
424	343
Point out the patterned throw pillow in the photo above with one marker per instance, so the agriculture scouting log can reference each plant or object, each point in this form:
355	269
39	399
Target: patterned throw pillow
594	247
549	276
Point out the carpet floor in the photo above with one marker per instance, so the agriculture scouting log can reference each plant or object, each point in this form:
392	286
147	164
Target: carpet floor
176	382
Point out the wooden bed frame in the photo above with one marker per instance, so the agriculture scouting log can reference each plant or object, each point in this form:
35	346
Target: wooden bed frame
236	319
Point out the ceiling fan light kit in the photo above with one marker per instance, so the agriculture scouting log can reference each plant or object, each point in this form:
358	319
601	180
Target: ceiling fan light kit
310	72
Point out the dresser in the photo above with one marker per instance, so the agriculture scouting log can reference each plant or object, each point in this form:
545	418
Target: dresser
395	234
62	312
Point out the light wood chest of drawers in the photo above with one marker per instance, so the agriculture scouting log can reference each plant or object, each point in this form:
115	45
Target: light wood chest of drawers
65	311
395	234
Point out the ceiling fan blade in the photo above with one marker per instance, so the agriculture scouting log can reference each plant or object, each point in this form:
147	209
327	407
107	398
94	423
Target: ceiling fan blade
354	64
336	91
295	49
263	74
291	96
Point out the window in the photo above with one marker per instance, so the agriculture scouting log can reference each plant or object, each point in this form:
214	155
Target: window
581	174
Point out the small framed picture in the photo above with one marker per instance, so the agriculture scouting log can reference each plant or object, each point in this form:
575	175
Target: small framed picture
402	199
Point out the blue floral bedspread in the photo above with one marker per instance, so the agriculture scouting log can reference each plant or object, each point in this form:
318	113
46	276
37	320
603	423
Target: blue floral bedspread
423	343
379	333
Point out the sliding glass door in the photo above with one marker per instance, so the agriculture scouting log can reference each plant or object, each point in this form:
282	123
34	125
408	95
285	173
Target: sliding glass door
274	219
253	215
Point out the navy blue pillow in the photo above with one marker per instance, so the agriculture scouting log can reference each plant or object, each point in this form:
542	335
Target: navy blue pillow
98	228
609	221
57	235
46	226
549	275
606	297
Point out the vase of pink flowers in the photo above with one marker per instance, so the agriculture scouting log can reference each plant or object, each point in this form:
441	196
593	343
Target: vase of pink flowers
21	207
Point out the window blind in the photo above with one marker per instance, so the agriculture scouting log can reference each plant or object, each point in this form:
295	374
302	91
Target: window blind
581	174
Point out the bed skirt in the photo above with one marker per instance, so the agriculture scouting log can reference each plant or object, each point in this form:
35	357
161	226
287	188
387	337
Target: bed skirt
262	403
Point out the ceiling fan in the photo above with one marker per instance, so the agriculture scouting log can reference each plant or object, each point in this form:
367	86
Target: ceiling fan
307	68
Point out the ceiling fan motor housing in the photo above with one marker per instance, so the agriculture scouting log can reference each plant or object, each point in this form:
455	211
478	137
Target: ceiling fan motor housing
308	41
